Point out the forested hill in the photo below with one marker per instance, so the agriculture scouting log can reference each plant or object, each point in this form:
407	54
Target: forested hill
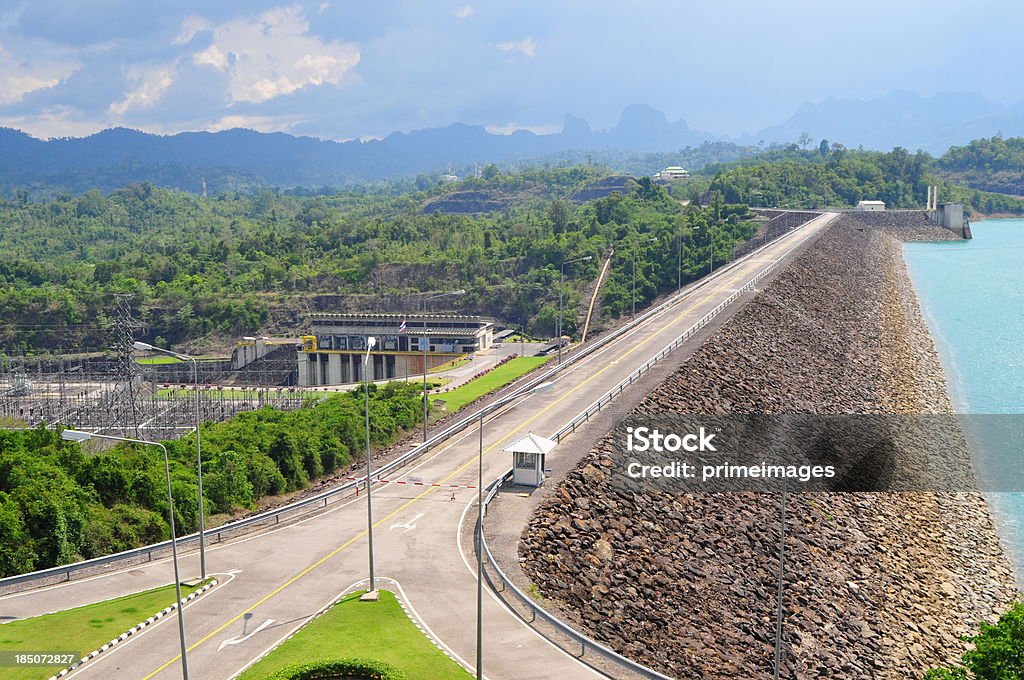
239	263
831	175
993	164
245	159
235	264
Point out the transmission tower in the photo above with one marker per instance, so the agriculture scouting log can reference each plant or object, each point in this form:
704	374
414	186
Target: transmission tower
124	404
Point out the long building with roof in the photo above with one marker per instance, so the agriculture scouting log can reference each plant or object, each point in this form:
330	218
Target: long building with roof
407	344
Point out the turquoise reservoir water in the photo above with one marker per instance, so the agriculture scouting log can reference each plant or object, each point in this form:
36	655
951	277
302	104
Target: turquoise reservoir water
972	295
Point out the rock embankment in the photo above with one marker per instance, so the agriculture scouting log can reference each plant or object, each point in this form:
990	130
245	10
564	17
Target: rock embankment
877	585
907	225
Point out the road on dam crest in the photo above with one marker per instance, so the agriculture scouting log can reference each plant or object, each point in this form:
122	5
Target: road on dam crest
279	578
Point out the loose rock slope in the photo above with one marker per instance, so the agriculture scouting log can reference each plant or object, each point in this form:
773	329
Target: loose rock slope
877	585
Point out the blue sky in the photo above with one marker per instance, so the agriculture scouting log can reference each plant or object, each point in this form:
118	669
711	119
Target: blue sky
341	69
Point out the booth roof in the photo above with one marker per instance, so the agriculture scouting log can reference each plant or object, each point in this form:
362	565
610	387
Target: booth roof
531	443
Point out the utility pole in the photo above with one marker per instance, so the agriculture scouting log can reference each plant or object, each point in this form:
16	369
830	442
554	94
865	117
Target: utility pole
561	275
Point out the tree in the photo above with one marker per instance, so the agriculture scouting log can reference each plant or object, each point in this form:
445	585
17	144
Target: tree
998	652
559	213
803	140
823	148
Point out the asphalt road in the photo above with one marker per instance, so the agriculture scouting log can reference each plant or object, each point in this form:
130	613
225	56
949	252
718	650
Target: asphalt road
274	581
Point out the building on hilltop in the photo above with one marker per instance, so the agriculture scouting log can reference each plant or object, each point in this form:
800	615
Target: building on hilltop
670	174
332	354
871	206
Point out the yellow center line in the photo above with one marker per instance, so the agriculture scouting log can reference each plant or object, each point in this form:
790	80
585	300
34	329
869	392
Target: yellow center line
430	490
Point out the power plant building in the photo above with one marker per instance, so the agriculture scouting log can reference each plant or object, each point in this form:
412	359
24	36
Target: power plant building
333	352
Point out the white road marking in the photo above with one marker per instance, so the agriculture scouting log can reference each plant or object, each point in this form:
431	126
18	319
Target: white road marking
408	526
239	639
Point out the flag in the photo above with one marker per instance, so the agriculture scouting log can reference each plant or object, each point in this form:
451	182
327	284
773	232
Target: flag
401	326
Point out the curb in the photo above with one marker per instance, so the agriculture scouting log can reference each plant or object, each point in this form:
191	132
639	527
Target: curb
402	600
429	634
135	629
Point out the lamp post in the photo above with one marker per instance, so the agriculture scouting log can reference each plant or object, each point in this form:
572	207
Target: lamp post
711	255
561	275
370	342
146	347
79	436
425	340
679	264
543	387
635	246
460	291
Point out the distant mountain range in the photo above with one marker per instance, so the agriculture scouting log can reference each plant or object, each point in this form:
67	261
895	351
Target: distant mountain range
238	158
904	119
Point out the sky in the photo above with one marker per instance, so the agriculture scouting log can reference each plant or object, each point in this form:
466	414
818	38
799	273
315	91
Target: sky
342	69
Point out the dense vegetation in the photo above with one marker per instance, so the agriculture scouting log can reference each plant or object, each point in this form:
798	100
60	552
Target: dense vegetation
997	654
227	264
243	263
993	164
692	158
59	504
832	175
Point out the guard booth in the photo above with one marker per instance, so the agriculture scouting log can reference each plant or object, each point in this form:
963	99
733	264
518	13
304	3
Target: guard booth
528	457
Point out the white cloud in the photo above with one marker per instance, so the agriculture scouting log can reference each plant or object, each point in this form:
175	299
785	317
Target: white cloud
527	47
211	56
150	84
58	121
19	78
273	55
509	128
465	12
259	123
191	26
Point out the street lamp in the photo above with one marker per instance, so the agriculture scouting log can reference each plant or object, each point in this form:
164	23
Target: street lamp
711	246
425	340
561	275
679	263
146	347
543	387
460	291
711	255
635	246
370	342
79	436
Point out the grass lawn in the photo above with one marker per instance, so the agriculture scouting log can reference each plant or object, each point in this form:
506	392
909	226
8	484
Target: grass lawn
80	630
164	359
448	365
485	384
365	630
154	361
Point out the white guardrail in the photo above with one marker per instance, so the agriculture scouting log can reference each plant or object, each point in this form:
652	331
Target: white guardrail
506	585
273	517
536	611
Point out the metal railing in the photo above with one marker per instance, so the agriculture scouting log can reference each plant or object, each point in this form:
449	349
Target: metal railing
585	643
314	503
607	397
503	584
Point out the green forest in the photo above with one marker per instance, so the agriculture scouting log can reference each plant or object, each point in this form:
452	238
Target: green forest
994	164
240	263
60	503
228	264
833	176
